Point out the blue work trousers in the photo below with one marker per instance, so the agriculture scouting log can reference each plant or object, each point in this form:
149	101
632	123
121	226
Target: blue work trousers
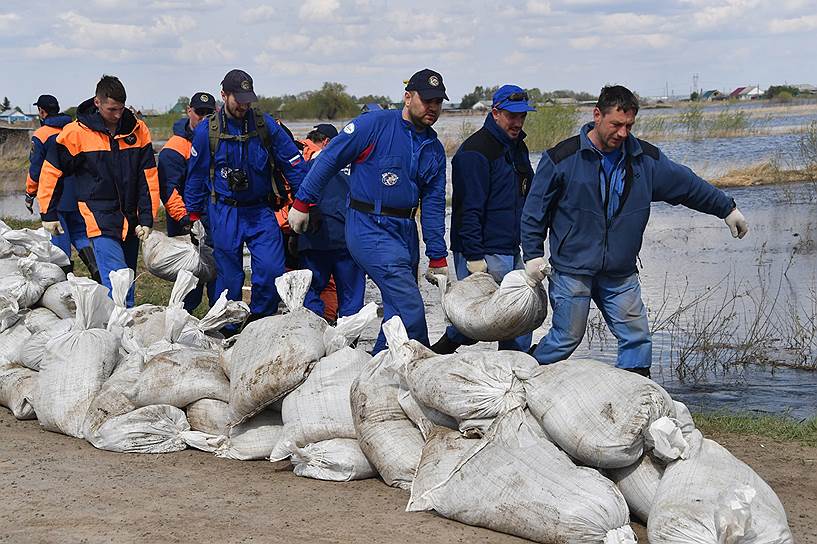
73	232
618	299
388	250
350	280
498	267
114	254
232	227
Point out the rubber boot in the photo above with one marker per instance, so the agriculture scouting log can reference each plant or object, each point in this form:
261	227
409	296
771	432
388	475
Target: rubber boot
68	268
445	346
641	371
88	257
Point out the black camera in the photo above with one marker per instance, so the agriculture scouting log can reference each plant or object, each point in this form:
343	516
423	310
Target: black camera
237	180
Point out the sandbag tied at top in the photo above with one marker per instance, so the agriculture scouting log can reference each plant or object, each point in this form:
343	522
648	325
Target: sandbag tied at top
36	243
165	256
29	280
482	310
598	414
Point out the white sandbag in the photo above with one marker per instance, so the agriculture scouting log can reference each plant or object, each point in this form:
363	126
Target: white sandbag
58	299
425	418
30	353
638	483
596	413
150	429
483	310
274	355
17	387
40	319
9	311
515	482
165	256
28	283
38	243
336	460
179	377
120	318
222	313
320	408
713	498
12	339
76	363
113	398
253	439
388	438
209	416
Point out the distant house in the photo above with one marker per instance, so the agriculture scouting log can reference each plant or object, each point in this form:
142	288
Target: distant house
713	94
806	88
749	92
16	115
561	101
482	105
179	109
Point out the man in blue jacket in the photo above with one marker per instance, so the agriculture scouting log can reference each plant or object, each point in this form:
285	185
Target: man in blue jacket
491	175
593	193
322	249
397	162
71	224
230	177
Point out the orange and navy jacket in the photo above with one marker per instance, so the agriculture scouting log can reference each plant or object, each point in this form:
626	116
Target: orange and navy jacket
44	138
115	177
173	168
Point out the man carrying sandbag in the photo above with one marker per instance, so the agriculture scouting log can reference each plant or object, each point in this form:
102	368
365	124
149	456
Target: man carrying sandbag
397	163
593	193
491	175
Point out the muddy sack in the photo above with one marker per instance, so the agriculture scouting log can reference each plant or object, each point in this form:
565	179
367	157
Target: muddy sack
58	299
165	256
17	388
335	460
150	429
40	319
482	310
386	435
638	484
516	482
209	416
113	398
181	376
598	414
253	439
29	281
712	497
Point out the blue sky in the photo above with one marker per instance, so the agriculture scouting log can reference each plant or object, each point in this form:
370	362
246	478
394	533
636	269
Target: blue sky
162	49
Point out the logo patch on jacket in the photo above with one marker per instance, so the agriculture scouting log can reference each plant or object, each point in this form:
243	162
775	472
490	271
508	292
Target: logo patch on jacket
295	160
350	128
130	139
389	178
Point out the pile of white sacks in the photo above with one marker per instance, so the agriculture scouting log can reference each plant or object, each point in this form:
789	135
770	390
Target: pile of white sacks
562	453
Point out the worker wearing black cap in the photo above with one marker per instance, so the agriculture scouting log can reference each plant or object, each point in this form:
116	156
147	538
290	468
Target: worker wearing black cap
172	175
230	177
397	164
72	225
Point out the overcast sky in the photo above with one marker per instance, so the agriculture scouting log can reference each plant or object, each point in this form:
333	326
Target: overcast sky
161	49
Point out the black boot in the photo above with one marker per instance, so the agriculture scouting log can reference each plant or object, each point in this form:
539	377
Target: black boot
68	268
641	371
88	257
445	346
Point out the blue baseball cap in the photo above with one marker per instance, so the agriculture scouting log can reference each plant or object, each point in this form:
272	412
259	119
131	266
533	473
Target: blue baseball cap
327	130
512	98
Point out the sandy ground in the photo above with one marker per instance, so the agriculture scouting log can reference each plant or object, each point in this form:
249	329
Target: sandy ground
60	489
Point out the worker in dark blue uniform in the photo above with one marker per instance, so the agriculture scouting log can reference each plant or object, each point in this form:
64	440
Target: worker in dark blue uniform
322	249
172	162
491	175
397	163
230	177
72	225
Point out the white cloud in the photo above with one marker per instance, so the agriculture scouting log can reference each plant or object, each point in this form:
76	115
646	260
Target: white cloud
203	51
727	12
797	24
318	10
258	14
50	50
538	7
287	42
90	34
8	20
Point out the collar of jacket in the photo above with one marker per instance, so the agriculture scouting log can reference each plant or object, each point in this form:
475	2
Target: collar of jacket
182	128
88	115
57	120
429	132
631	145
497	132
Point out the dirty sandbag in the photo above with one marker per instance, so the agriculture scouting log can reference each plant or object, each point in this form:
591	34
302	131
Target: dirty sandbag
12	339
150	429
17	387
40	319
515	482
712	498
335	460
152	327
9	311
113	398
638	483
253	439
208	416
31	352
76	363
386	435
274	355
165	256
38	243
205	332
179	377
596	413
57	298
482	310
425	418
30	280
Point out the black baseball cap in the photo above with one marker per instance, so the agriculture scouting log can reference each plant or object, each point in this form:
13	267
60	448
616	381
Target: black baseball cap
327	130
203	101
48	102
239	84
428	84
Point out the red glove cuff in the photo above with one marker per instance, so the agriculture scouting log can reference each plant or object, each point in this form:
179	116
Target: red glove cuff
194	216
438	263
301	206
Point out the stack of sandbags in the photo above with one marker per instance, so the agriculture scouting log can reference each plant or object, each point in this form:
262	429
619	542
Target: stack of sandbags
29	280
18	386
166	256
58	299
252	439
483	310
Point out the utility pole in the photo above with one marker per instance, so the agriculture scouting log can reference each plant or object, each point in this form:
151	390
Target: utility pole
695	83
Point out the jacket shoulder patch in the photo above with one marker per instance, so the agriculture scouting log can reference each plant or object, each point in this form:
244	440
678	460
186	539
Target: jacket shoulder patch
649	150
483	143
564	149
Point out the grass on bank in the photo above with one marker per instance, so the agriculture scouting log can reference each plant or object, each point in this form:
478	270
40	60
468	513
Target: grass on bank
774	427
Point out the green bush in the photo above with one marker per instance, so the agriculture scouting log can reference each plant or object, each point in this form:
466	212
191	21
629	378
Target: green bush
549	125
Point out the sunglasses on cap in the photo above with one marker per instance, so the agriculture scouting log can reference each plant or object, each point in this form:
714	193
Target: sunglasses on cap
202	111
513	97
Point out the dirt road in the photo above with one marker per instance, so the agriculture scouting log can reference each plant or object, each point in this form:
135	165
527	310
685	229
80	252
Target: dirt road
60	489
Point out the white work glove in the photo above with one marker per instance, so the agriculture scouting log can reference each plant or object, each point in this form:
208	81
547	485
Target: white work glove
432	272
53	227
737	224
535	271
476	266
142	232
298	220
